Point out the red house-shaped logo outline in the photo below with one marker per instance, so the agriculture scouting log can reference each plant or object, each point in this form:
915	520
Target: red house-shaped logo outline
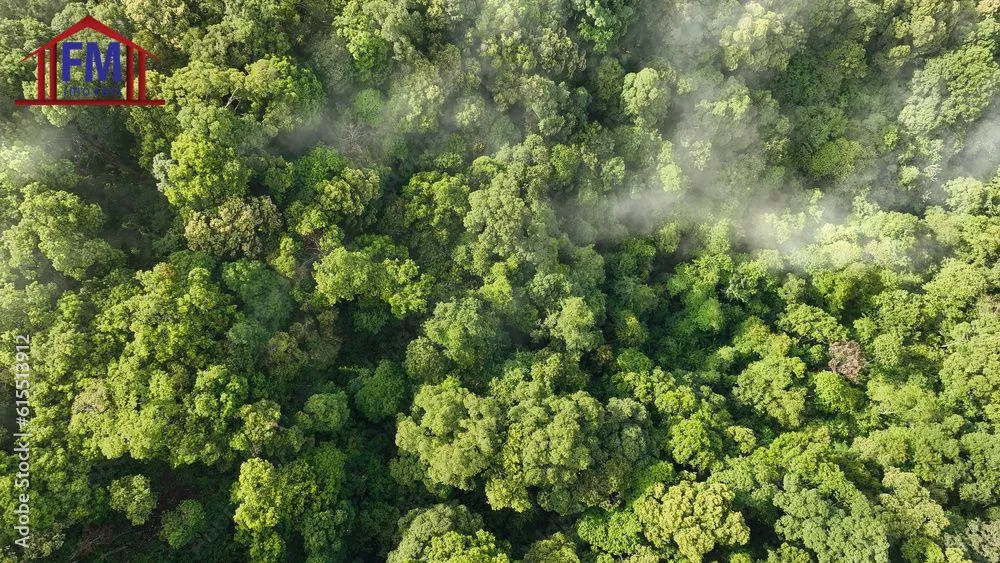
133	96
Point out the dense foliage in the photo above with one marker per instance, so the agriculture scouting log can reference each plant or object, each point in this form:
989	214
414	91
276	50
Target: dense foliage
510	280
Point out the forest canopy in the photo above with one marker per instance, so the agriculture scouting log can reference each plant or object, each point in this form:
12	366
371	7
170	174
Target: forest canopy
568	281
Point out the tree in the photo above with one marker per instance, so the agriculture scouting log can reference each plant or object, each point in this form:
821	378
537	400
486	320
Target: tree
978	538
370	52
246	32
201	174
377	269
760	40
236	227
133	497
329	197
604	22
18	33
453	433
181	524
378	392
281	94
444	533
453	546
419	100
269	498
693	516
613	533
968	195
557	549
970	374
574	324
433	207
263	293
908	511
164	397
259	427
646	96
831	532
951	89
326	412
549	106
633	281
64	229
571	449
770	387
466	329
260	501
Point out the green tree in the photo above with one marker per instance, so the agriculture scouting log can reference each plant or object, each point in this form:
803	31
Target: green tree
691	515
62	228
236	227
182	524
760	40
444	533
133	497
453	433
378	392
201	174
376	269
466	329
646	96
574	326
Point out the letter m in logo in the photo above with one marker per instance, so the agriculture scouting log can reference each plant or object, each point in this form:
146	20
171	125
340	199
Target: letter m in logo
111	61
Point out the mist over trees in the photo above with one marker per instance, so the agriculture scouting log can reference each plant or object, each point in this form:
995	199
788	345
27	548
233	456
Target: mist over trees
510	281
